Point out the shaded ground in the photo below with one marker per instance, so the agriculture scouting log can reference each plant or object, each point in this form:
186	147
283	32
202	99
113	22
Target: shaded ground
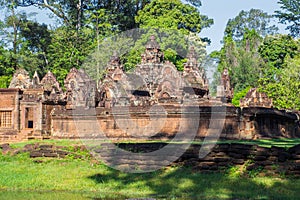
90	179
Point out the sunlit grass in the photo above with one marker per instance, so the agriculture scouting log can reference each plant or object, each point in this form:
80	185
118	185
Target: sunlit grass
280	142
83	176
21	173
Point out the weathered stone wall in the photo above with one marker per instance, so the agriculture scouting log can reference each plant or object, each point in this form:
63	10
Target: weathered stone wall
247	123
9	101
244	157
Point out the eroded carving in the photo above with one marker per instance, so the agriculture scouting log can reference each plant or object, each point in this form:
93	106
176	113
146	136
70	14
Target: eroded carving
20	80
80	89
254	98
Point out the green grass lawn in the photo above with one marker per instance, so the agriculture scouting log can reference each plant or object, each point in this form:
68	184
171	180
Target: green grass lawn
87	179
282	142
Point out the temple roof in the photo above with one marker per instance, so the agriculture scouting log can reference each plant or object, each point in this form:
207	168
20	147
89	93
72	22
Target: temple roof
152	43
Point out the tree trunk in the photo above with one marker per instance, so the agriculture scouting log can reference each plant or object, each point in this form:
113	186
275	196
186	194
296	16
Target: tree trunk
15	42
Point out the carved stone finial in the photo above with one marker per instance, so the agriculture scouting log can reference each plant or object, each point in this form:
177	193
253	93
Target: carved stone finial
227	91
152	44
115	59
152	38
153	53
191	63
115	54
35	80
192	53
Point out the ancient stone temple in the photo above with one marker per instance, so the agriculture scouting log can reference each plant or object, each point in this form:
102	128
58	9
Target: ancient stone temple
40	108
153	80
80	89
51	88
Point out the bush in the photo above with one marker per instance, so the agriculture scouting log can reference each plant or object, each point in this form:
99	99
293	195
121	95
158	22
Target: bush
239	95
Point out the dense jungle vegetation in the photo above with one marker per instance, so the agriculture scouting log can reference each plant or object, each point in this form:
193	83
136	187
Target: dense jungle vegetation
253	51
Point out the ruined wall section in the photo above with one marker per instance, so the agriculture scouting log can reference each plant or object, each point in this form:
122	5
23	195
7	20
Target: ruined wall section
9	114
247	123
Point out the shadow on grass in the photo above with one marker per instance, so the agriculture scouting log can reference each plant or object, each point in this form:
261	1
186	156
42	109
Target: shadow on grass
186	184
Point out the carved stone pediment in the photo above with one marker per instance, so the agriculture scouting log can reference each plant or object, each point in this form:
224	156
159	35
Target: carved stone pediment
254	98
49	83
20	80
80	89
52	90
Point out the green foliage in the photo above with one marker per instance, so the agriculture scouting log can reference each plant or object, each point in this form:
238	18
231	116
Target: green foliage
239	54
239	95
241	59
234	171
172	14
121	44
37	36
66	51
275	49
253	19
73	13
290	15
175	24
284	88
133	58
4	81
280	80
247	72
6	71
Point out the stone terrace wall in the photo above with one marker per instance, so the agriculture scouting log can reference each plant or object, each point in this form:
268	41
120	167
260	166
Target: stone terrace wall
247	123
247	158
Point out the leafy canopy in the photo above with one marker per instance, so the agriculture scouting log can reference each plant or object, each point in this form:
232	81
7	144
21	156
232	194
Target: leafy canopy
285	89
274	49
254	19
290	15
172	14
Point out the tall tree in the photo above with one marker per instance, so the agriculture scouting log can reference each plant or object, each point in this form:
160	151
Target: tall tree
242	38
172	14
73	12
242	61
6	71
281	54
247	20
290	15
176	26
37	38
274	49
284	90
10	29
